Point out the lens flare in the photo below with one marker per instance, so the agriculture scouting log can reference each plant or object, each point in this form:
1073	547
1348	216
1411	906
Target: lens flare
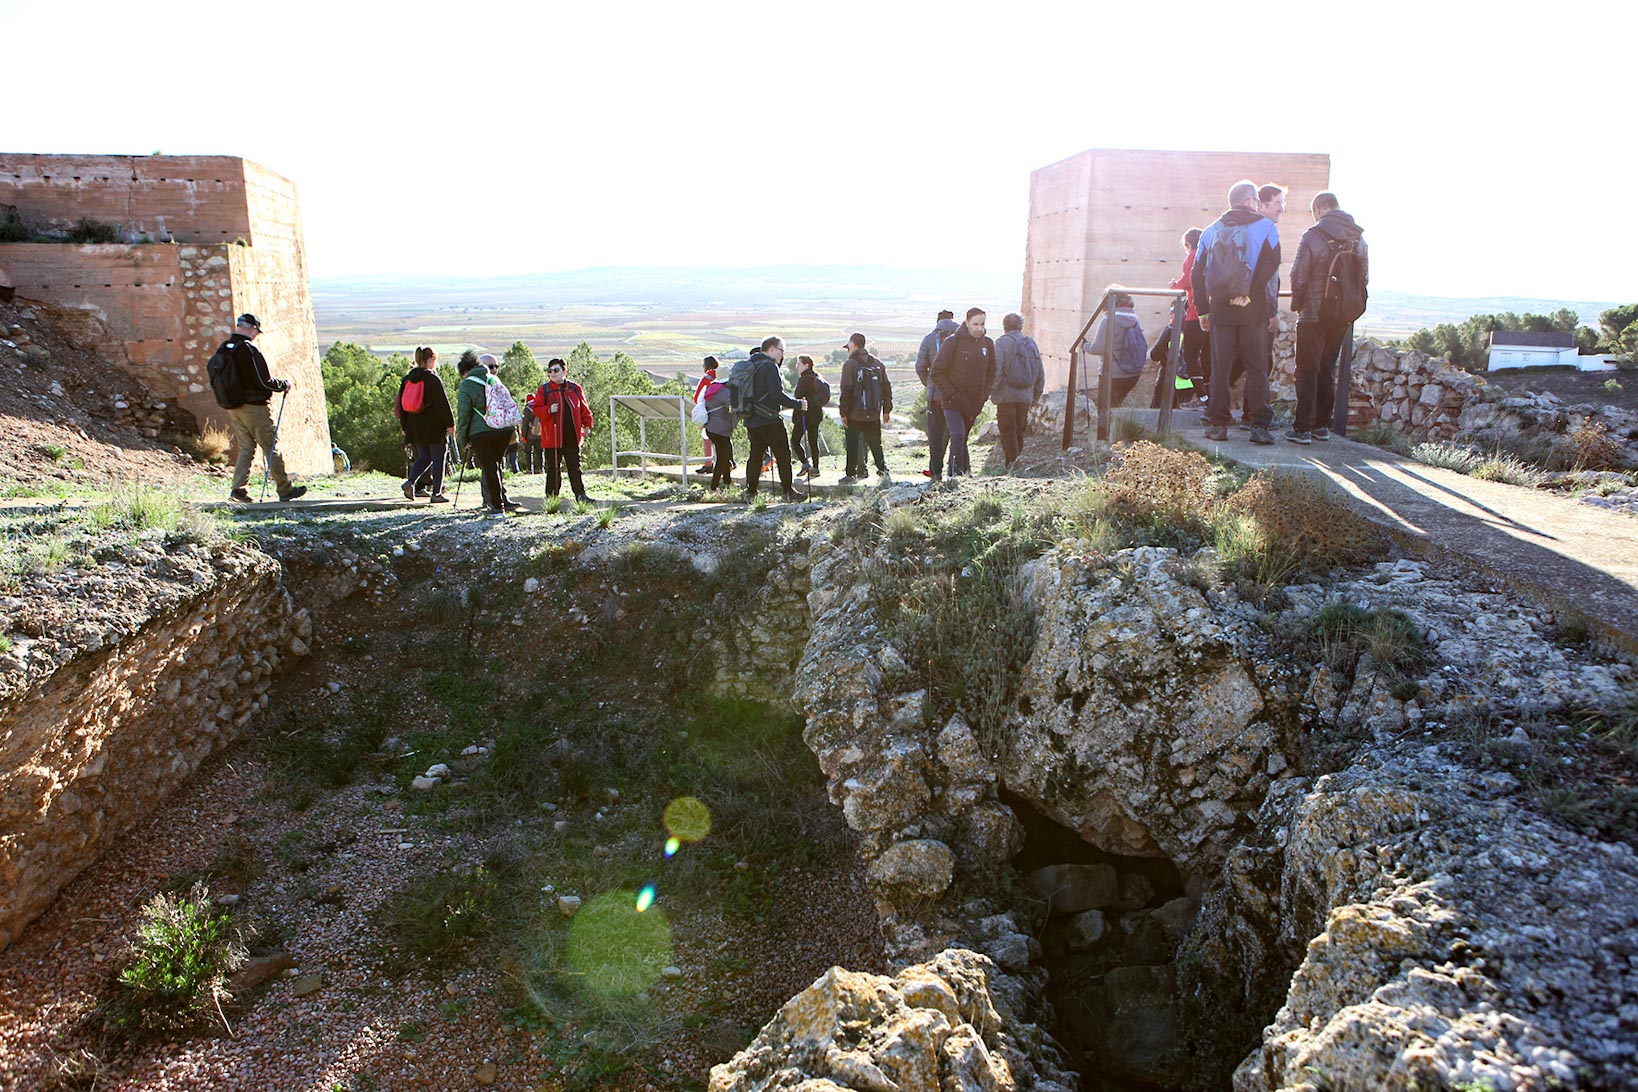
615	951
687	819
671	847
645	898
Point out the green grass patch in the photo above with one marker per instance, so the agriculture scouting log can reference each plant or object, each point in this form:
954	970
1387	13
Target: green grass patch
176	977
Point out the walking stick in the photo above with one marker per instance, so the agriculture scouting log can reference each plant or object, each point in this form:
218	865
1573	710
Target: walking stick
267	461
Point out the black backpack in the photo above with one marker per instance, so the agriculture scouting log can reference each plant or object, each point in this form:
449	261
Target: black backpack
820	398
223	373
1344	298
867	396
740	378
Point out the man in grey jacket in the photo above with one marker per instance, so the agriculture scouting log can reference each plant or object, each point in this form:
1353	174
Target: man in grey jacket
938	437
1019	380
1318	345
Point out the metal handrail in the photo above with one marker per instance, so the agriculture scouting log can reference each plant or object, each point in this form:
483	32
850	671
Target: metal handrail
1168	371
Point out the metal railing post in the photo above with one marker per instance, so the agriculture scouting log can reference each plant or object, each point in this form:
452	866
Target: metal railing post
614	442
1168	370
1070	394
1106	373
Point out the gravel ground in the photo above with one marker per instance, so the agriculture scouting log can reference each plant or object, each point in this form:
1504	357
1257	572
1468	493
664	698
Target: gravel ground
324	872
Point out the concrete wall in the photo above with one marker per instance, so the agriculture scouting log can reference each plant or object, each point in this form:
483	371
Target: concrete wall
223	237
1115	217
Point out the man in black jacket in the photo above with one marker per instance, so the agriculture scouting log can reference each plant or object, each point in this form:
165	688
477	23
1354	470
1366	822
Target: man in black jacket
963	373
763	425
1239	257
251	420
866	404
938	439
1318	345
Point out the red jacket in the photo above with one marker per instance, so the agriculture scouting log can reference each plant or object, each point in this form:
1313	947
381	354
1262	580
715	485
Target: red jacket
572	409
1183	282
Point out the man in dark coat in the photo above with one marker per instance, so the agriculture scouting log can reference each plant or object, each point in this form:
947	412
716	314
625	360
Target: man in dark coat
1318	345
866	404
763	425
1233	274
252	421
938	438
963	373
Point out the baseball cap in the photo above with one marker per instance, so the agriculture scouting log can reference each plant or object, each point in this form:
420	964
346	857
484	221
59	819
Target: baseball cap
248	319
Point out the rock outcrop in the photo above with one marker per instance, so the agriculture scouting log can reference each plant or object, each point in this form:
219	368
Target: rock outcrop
933	1027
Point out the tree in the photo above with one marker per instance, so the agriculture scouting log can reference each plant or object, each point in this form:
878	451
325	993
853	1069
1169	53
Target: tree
360	389
600	378
520	371
1616	324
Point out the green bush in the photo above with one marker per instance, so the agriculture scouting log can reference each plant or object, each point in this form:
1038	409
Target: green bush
178	973
361	389
87	230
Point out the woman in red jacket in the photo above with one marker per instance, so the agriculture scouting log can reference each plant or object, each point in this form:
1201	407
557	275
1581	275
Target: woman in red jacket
1196	344
565	419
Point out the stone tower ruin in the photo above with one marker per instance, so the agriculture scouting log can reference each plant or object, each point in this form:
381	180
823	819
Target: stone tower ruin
199	241
1115	217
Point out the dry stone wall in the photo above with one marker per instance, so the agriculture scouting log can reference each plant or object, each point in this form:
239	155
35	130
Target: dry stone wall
101	716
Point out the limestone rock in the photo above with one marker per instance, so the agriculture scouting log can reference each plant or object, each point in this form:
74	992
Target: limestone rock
932	1028
918	869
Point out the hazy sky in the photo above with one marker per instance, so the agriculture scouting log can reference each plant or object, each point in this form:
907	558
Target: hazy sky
1484	152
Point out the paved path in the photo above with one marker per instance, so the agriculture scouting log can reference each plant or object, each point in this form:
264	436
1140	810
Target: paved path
1547	545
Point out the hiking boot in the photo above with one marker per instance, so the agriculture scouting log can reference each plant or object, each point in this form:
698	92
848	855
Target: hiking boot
295	492
513	506
423	491
1217	432
409	491
438	498
1260	435
884	478
1321	434
1296	437
239	496
582	498
850	480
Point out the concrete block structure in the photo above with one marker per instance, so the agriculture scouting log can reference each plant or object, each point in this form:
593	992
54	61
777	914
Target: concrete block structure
202	239
1115	217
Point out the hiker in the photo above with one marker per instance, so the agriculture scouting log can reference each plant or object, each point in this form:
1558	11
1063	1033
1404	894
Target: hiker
531	452
243	387
963	371
867	404
718	401
1131	348
509	460
485	422
710	366
1238	256
338	459
423	414
565	418
805	423
1019	380
938	437
1196	345
1331	257
761	402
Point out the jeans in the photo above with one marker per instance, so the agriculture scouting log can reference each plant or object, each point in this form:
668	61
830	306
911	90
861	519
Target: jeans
1235	345
959	425
252	427
861	434
722	462
429	458
512	457
1013	420
559	458
764	439
1317	352
938	437
488	448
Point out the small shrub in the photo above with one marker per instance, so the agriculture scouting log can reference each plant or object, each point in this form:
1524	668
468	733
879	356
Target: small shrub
1344	630
582	507
605	517
55	452
212	444
12	229
554	504
1384	436
1447	456
178	973
87	230
437	912
1592	449
1508	470
1299	521
138	508
1613	385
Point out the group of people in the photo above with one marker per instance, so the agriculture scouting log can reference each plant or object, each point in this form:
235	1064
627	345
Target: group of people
487	422
1231	274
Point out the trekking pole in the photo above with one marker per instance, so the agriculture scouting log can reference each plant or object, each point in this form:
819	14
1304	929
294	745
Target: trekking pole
267	461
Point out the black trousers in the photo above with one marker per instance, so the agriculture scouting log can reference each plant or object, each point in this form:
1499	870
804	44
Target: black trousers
862	434
1197	355
1013	420
805	424
938	437
764	439
1317	352
488	448
722	459
557	458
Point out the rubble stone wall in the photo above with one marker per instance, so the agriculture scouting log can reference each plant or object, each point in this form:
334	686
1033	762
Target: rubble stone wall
90	743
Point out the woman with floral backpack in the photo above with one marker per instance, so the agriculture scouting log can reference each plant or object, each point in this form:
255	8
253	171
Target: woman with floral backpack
486	420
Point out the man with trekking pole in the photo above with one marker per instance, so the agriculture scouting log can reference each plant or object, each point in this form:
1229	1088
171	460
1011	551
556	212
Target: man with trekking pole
242	386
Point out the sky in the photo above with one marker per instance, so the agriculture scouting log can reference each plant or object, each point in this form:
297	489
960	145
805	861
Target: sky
1485	150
